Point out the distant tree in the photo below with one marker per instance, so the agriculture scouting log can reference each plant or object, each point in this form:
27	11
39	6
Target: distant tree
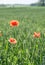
42	2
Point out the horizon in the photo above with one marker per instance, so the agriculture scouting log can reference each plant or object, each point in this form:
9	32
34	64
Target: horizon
18	1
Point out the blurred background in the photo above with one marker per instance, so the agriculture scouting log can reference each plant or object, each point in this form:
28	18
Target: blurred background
14	3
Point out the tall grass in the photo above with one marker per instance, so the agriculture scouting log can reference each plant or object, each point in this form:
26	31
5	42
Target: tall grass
28	50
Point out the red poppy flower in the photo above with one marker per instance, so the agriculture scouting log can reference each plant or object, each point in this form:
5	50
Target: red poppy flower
12	41
14	23
0	34
36	34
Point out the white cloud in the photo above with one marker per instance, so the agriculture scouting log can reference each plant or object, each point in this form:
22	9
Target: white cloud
17	1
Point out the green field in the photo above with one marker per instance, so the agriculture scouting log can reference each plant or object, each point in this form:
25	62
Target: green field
28	50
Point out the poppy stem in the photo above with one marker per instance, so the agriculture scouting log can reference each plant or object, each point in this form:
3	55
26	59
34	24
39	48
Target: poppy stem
14	32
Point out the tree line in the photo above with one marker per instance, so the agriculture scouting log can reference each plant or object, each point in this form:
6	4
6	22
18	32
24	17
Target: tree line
42	2
39	3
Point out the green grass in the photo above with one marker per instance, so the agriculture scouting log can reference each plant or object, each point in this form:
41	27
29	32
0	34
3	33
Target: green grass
28	50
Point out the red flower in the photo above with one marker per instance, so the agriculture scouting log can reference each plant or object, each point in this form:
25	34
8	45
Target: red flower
0	34
36	34
14	23
12	41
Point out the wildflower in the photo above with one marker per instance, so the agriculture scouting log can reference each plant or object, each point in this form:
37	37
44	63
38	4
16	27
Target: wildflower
0	34
12	41
36	34
14	23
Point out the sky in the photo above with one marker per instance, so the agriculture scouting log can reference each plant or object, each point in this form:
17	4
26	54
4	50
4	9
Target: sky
17	1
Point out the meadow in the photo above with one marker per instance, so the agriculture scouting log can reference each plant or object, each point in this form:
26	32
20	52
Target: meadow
28	50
